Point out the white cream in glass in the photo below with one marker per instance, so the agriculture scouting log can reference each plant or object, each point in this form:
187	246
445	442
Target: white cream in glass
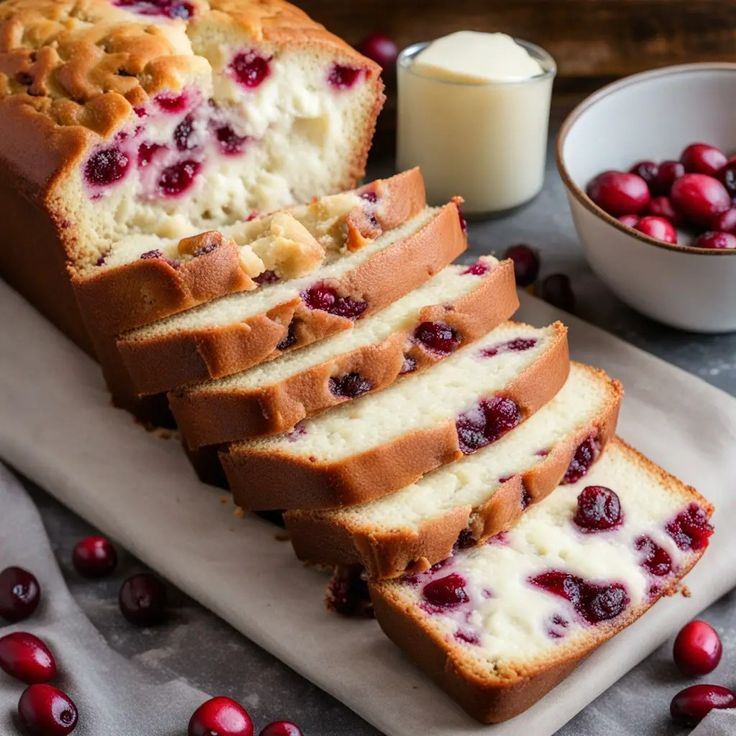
473	112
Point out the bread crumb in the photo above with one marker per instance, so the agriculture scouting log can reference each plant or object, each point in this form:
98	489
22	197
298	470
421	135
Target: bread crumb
685	591
282	536
225	499
239	512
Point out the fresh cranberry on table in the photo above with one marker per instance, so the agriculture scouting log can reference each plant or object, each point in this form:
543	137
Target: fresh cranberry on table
647	170
662	207
629	220
44	710
725	222
692	704
381	48
716	241
19	594
599	509
94	557
699	198
667	174
619	192
557	290
142	599
701	158
697	649
220	716
526	263
727	176
657	228
281	728
26	657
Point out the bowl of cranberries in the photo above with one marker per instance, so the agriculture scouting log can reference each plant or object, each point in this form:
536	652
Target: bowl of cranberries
649	164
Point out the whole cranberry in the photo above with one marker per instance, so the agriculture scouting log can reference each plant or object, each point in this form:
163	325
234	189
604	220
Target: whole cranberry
725	222
220	716
697	649
647	170
44	710
619	193
667	174
701	158
629	220
19	593
381	48
716	241
281	728
526	263
26	657
699	197
657	228
727	176
142	599
662	207
94	557
556	290
692	704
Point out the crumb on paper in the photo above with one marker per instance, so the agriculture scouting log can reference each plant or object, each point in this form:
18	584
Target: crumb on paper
685	591
239	512
282	536
225	499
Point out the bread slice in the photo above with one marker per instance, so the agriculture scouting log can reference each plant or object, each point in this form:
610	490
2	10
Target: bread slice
236	332
499	625
466	502
384	441
457	306
144	278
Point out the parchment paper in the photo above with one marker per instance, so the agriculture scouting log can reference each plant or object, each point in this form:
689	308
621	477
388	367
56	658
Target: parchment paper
58	428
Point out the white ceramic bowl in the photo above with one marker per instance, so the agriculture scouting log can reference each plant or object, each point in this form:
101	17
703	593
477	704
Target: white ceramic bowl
653	115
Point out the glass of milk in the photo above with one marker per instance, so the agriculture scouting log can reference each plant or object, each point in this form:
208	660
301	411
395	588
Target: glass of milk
473	113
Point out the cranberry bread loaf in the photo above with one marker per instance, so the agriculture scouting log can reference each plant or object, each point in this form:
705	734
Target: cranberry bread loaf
381	442
121	118
144	278
499	625
454	308
464	503
236	332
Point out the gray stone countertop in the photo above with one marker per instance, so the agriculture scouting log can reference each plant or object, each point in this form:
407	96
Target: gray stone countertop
199	647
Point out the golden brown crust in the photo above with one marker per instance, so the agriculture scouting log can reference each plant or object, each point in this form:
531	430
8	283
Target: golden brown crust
320	537
165	362
293	482
207	416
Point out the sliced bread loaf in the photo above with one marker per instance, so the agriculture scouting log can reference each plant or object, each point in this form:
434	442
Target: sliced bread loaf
383	441
466	502
454	308
499	625
239	331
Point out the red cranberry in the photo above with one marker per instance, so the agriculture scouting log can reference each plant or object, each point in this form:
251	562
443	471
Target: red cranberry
629	220
657	228
690	528
142	599
183	134
725	222
19	593
343	77
172	102
476	269
168	8
647	170
26	657
379	47
94	557
437	337
146	152
517	345
669	172
619	193
220	716
692	704
229	142
700	158
697	649
526	263
106	167
662	207
595	603
699	197
289	338
716	241
250	69
585	455
486	422
267	277
347	592
177	178
727	176
656	560
557	290
446	592
322	296
598	509
46	711
350	385
281	728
